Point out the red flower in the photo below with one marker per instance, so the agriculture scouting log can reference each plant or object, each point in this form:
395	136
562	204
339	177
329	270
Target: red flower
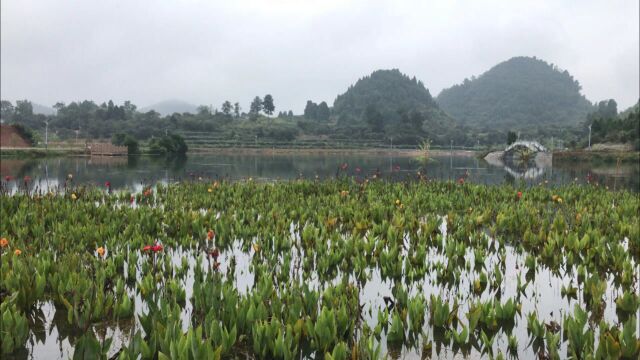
131	199
210	234
344	166
461	181
146	248
107	184
215	253
519	194
216	265
156	248
7	178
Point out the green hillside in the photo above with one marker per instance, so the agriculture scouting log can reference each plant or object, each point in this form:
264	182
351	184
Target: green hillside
520	93
392	104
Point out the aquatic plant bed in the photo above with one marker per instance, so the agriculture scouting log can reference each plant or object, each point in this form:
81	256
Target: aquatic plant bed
325	270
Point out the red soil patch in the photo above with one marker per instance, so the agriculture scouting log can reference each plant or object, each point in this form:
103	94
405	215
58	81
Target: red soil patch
9	137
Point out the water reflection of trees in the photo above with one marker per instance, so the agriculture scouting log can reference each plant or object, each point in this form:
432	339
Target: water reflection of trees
136	170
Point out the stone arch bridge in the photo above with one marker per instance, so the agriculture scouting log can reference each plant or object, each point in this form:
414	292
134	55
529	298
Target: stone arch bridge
533	146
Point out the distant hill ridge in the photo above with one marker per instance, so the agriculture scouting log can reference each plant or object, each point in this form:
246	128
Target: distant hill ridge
169	107
517	93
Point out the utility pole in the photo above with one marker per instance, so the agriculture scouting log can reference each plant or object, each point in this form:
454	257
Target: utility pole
46	135
589	137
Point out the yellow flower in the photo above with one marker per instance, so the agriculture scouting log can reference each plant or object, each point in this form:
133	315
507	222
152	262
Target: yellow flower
17	252
256	247
331	222
554	197
398	202
73	196
4	242
209	190
559	200
344	193
100	251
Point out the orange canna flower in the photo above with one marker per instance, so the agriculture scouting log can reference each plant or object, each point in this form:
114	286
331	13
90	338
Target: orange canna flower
100	251
17	252
4	242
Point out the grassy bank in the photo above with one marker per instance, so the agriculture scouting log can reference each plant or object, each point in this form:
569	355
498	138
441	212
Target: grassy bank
328	151
596	156
30	153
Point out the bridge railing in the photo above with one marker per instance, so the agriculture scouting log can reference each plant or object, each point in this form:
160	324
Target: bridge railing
531	145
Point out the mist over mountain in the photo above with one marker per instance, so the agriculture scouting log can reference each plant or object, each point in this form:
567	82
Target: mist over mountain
517	93
168	107
42	109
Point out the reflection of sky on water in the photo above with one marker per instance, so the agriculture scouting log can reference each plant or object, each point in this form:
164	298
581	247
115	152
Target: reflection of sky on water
542	296
136	172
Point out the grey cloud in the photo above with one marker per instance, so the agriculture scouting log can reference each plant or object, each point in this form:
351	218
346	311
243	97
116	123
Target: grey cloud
207	52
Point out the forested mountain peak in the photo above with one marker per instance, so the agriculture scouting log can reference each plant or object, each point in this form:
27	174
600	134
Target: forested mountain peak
390	102
517	93
388	90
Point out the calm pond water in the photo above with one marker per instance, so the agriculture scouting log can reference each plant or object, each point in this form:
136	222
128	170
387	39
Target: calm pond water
53	338
134	172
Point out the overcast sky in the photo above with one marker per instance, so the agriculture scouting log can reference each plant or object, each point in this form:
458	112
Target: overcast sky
205	52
